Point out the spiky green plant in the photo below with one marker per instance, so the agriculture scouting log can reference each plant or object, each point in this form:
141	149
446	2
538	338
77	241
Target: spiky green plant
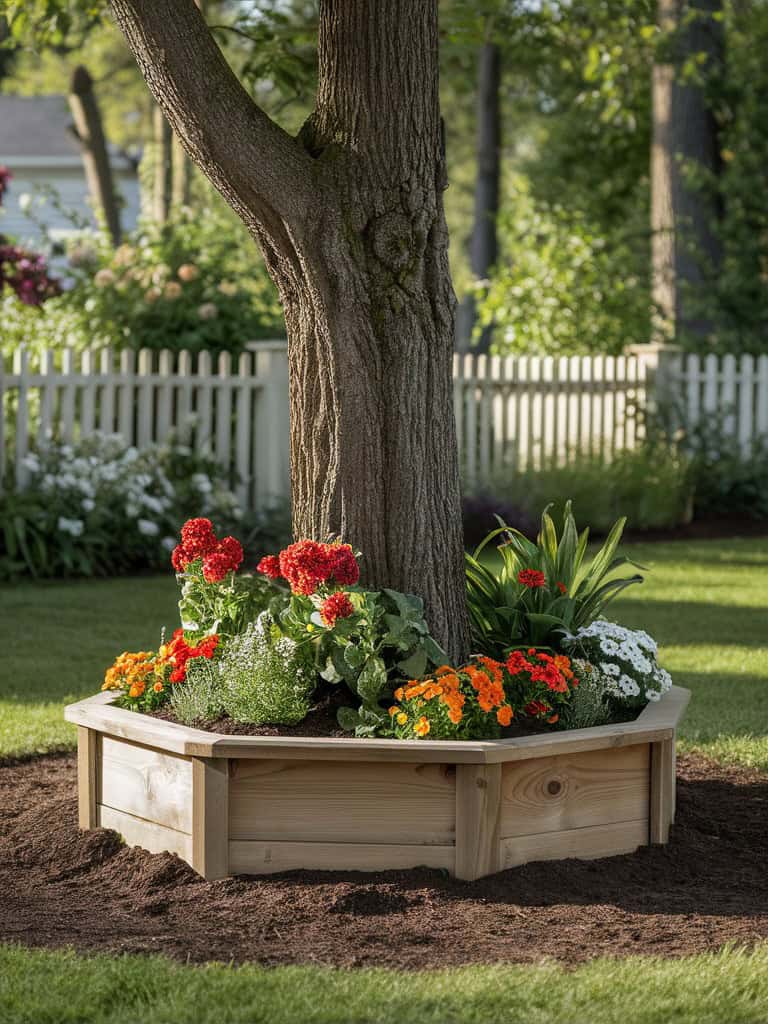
506	613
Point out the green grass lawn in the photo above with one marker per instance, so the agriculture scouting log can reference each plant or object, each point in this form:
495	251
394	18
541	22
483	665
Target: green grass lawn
60	988
707	602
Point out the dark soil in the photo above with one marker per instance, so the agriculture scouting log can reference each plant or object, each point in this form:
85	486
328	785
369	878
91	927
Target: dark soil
63	887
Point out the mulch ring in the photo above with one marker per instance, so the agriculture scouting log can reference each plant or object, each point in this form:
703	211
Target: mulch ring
709	886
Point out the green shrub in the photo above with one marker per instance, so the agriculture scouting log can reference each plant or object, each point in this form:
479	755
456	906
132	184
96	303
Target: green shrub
198	698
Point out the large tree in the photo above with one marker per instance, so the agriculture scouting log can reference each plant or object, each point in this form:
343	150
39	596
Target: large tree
349	217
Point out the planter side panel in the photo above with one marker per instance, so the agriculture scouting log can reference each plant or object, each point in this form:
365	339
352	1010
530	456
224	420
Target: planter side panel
324	814
145	795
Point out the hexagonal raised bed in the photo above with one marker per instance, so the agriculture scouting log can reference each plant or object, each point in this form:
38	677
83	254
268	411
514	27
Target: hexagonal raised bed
253	804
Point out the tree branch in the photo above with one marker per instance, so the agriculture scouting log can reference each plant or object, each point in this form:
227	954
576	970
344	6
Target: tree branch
262	172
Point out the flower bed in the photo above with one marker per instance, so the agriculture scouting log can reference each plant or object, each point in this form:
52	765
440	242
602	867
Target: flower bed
556	739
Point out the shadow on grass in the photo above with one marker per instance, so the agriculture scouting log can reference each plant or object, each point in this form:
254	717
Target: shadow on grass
689	623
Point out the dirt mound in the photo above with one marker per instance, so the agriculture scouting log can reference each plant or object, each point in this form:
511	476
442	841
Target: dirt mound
63	887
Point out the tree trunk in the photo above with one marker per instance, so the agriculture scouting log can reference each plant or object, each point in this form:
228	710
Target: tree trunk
90	134
161	161
684	214
350	219
483	248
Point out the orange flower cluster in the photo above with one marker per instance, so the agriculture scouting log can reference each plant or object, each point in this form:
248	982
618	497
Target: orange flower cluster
130	672
461	695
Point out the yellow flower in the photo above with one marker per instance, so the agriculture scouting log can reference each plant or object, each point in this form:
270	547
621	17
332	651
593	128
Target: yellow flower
422	726
402	718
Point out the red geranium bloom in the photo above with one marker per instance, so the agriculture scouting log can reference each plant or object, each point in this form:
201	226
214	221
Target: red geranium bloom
531	578
337	606
344	567
198	538
305	564
179	558
270	566
215	567
561	587
233	549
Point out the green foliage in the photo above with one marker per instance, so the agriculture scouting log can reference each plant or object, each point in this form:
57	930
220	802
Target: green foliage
506	611
385	641
100	507
652	482
224	608
265	676
563	286
589	705
198	698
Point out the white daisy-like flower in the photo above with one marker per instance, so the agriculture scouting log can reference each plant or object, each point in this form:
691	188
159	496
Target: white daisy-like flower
147	528
610	668
609	647
74	527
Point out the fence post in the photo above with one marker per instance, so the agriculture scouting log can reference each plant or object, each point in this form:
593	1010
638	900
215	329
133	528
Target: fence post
660	366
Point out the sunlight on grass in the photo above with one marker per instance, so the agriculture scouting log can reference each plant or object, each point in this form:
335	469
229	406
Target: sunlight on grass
41	987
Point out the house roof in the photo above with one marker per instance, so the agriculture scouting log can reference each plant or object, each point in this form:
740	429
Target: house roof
37	131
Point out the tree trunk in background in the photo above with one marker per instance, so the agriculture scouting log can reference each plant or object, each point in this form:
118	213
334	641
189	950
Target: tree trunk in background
483	248
181	165
90	134
350	219
685	245
161	166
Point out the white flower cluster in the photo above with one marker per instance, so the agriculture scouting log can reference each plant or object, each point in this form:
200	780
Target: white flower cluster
625	660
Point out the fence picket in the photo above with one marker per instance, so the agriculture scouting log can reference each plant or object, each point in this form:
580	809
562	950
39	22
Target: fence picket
107	396
125	409
746	382
21	371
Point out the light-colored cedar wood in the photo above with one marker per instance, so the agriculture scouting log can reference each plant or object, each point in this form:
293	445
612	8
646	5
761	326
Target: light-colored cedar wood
559	793
663	786
656	722
210	817
265	858
478	801
146	783
146	834
87	776
583	843
335	802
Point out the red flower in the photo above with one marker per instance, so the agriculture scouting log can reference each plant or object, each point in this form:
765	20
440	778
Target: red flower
531	578
305	564
561	587
517	663
270	566
179	558
198	538
233	550
215	567
337	606
344	567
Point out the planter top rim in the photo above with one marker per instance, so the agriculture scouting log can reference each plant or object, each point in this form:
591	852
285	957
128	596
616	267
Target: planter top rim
656	722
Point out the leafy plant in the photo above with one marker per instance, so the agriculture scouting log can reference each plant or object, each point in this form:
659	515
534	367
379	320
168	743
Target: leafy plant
543	589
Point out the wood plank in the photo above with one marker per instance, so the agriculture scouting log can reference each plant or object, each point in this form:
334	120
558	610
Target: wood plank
325	802
478	804
582	843
146	783
261	858
87	777
556	794
146	834
210	817
662	792
667	711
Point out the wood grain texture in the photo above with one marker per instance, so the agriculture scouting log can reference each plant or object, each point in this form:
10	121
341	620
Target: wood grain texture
263	858
327	802
478	806
147	783
146	834
87	777
662	791
583	843
210	817
569	791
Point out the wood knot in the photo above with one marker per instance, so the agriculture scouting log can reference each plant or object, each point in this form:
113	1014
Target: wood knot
554	786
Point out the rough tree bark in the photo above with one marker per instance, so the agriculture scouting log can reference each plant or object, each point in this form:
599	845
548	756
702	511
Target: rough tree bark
349	217
483	246
90	134
685	135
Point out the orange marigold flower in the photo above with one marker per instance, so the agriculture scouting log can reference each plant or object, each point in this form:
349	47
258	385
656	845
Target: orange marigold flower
393	710
504	715
158	687
422	726
553	718
455	715
137	689
399	693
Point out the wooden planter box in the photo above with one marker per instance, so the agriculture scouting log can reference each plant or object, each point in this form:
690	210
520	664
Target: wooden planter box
253	804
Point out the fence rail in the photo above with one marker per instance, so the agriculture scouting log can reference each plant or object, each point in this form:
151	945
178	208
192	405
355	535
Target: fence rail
512	413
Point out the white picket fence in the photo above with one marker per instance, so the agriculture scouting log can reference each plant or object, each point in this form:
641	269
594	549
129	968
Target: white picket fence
512	413
235	410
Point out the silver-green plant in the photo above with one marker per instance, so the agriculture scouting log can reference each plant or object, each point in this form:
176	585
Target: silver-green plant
199	697
589	702
265	676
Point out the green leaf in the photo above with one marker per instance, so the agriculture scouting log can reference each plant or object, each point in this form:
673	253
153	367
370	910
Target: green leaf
353	656
372	680
348	719
414	666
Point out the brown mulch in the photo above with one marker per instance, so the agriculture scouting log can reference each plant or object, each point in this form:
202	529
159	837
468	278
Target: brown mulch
61	887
